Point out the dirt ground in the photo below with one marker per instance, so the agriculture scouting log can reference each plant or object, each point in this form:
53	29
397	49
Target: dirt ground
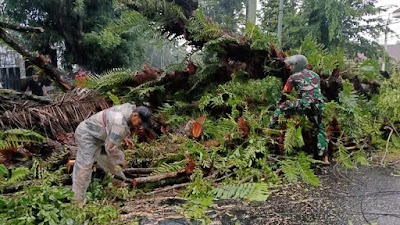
367	195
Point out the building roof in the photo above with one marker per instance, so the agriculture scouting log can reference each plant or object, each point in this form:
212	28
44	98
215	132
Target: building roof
396	13
394	52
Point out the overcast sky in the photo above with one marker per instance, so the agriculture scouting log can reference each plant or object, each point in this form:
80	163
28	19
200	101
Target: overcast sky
392	39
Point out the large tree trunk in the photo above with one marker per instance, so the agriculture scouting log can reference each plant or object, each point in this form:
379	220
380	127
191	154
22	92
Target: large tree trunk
39	60
251	11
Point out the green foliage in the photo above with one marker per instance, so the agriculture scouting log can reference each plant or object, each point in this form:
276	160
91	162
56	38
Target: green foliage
17	137
250	191
229	14
128	20
293	28
202	29
199	199
224	126
157	10
259	39
51	205
108	80
4	171
18	174
355	115
8	177
351	159
234	92
176	113
333	22
369	70
293	137
389	99
299	168
319	57
207	64
114	98
169	167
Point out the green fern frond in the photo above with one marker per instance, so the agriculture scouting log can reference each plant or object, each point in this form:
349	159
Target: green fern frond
4	171
169	167
260	193
289	169
249	191
299	168
57	156
39	170
18	174
128	20
110	79
293	137
114	98
319	57
202	29
17	137
305	172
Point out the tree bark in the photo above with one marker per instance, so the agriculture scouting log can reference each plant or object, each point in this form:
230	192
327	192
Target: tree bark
36	59
140	170
251	11
150	179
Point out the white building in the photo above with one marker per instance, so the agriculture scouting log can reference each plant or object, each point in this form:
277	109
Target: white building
12	68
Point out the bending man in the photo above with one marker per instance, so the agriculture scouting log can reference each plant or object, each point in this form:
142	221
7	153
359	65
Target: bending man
98	138
310	102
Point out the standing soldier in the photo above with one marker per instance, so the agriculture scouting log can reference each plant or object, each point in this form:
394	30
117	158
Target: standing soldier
310	102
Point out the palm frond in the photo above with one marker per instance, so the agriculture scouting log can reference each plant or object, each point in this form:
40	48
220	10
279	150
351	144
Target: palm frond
249	191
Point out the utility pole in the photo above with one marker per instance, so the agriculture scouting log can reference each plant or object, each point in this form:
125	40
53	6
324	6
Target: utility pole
386	34
280	17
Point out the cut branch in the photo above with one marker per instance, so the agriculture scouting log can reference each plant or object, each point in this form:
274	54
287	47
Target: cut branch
150	179
36	59
140	170
21	28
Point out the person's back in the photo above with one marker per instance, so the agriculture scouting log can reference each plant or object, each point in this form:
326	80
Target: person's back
307	84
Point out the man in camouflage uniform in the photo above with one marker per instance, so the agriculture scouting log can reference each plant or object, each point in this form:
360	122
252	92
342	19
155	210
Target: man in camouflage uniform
310	102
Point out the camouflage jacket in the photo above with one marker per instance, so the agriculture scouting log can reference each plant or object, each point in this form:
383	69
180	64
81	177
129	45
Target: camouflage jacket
306	83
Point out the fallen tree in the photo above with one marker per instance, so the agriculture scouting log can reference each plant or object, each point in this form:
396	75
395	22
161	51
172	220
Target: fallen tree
39	60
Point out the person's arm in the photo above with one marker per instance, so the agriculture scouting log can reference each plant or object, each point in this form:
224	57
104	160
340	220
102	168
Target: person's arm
288	85
44	90
27	90
114	139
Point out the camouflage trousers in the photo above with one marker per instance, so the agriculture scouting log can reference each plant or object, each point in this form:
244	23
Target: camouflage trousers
313	109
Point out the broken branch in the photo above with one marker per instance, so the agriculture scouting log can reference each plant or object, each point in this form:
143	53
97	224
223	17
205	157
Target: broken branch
21	28
140	170
36	59
151	179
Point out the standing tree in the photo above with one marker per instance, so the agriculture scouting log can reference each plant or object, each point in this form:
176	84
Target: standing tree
251	11
336	24
79	25
293	22
228	13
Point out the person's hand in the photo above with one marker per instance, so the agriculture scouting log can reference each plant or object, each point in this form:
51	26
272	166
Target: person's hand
128	142
80	205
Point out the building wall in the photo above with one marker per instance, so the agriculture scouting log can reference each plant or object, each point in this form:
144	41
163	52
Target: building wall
12	68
